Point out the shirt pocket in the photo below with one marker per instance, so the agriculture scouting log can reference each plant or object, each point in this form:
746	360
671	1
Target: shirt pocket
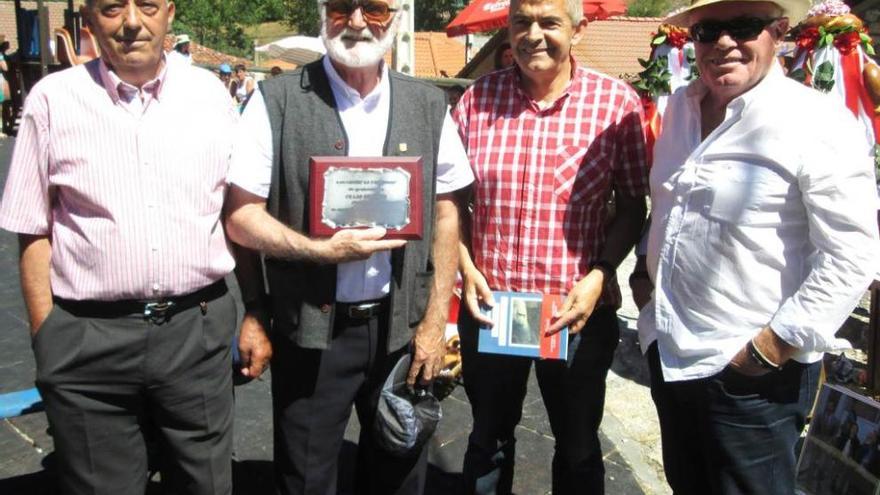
578	176
748	194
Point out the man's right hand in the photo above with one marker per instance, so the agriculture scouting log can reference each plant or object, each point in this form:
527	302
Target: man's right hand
476	293
354	244
38	317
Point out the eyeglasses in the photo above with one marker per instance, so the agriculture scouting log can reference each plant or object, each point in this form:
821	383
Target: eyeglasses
374	11
740	29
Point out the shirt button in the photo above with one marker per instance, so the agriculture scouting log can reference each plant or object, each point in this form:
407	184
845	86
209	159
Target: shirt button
325	308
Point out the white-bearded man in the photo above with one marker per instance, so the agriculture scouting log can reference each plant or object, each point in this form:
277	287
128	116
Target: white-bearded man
346	308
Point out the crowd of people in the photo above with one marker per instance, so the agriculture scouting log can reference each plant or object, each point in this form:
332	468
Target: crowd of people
759	245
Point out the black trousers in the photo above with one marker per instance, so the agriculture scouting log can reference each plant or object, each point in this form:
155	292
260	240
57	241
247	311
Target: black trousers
313	392
730	433
103	380
573	393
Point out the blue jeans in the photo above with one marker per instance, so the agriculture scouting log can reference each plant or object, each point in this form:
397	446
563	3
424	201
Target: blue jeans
573	393
730	433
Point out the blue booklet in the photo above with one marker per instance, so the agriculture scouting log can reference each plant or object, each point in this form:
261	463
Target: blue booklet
520	321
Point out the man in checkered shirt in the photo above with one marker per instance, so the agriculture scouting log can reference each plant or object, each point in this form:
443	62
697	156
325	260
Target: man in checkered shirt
551	144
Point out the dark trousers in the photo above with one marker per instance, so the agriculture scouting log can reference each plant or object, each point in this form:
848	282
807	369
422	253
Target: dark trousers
104	380
573	393
733	434
313	392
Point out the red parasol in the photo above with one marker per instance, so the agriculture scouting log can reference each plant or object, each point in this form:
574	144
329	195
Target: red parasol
486	15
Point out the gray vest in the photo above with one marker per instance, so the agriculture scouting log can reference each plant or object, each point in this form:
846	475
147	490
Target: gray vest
305	123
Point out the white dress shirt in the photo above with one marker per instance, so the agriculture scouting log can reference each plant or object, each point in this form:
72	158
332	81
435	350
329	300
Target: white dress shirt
769	220
366	122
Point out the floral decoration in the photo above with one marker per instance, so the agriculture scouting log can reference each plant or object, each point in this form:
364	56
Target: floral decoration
670	35
830	8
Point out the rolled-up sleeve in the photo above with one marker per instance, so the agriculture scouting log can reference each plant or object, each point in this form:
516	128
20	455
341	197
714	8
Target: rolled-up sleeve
26	203
837	185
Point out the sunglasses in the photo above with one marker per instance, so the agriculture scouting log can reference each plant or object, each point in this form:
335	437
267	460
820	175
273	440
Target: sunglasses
740	29
374	11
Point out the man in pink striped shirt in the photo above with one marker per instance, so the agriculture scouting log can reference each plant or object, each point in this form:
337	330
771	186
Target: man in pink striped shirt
116	189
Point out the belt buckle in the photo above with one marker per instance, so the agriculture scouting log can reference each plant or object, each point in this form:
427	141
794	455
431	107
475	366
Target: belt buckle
157	312
362	311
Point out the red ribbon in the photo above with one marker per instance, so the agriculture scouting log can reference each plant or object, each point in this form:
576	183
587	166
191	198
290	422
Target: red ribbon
847	42
652	129
851	66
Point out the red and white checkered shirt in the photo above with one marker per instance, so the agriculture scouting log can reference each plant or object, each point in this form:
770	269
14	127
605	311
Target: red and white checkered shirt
544	177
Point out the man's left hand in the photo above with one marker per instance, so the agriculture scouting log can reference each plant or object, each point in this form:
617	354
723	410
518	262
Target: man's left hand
254	346
579	304
743	364
770	345
429	348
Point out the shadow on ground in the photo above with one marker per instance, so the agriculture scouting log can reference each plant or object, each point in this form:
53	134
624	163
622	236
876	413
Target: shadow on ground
629	363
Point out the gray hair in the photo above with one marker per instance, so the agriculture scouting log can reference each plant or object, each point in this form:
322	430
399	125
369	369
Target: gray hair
575	9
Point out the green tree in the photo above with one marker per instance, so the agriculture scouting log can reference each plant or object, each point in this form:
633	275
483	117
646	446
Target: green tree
303	16
219	24
434	15
653	8
213	23
431	15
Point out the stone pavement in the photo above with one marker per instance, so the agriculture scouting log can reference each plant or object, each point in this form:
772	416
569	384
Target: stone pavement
630	436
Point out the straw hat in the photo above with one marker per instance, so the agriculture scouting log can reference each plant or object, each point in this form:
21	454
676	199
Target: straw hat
795	10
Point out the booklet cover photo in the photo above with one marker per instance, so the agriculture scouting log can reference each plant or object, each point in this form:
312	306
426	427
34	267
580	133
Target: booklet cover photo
520	321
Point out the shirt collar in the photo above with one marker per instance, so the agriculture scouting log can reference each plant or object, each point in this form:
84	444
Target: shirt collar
116	87
576	76
342	88
697	90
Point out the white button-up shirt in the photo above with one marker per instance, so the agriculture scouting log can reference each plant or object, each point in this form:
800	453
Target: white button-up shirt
365	121
769	220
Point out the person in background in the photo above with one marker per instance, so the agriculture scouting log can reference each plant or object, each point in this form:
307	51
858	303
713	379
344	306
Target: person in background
243	85
504	56
182	47
275	71
453	93
225	74
5	93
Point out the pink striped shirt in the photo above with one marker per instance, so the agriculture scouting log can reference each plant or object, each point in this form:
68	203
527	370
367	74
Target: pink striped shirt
128	184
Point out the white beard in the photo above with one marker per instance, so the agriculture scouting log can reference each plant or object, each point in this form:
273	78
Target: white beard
358	49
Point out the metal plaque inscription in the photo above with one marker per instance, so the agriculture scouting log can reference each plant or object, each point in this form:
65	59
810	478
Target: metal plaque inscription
366	197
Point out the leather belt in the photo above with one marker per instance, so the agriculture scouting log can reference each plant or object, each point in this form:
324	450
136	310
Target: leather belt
156	310
362	310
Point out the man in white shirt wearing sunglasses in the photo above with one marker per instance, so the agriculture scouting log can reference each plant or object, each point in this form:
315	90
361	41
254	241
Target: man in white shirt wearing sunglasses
761	244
